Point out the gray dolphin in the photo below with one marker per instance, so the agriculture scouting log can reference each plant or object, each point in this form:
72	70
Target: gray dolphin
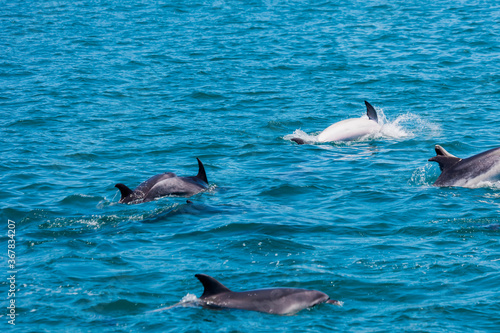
466	172
276	300
165	184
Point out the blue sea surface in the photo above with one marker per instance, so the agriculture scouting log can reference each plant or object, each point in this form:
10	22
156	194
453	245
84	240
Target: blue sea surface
94	93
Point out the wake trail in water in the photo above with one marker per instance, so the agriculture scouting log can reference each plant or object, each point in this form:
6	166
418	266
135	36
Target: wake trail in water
189	300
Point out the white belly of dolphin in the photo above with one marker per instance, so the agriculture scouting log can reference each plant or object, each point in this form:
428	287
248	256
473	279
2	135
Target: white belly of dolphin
349	129
473	180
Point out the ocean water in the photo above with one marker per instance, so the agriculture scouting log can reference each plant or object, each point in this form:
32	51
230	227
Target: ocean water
94	93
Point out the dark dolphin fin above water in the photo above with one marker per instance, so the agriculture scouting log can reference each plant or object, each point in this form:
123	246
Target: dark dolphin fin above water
124	190
201	171
211	286
443	158
370	112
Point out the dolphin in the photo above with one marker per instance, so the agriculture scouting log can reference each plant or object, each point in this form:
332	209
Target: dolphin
276	300
349	129
466	172
165	184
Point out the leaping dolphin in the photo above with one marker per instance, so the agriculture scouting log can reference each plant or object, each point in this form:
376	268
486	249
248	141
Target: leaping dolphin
349	129
276	300
466	172
165	184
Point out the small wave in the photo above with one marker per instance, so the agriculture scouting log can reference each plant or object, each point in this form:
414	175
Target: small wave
181	210
202	95
78	199
474	223
121	306
91	222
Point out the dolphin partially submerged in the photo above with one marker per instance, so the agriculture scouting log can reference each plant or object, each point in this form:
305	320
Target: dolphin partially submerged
165	184
276	300
349	129
467	172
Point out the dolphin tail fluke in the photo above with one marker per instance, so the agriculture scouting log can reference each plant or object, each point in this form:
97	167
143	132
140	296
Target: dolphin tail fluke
211	285
201	172
440	151
124	190
444	158
370	112
298	141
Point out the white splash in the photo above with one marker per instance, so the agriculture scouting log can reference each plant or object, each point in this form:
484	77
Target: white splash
298	133
190	300
408	125
424	175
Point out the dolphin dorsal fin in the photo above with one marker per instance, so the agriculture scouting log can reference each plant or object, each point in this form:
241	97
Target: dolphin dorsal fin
370	112
124	190
211	285
445	159
201	171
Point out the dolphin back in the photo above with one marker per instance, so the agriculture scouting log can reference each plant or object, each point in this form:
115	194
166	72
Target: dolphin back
147	185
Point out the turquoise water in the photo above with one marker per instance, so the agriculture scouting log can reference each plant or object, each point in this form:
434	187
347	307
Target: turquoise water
98	93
